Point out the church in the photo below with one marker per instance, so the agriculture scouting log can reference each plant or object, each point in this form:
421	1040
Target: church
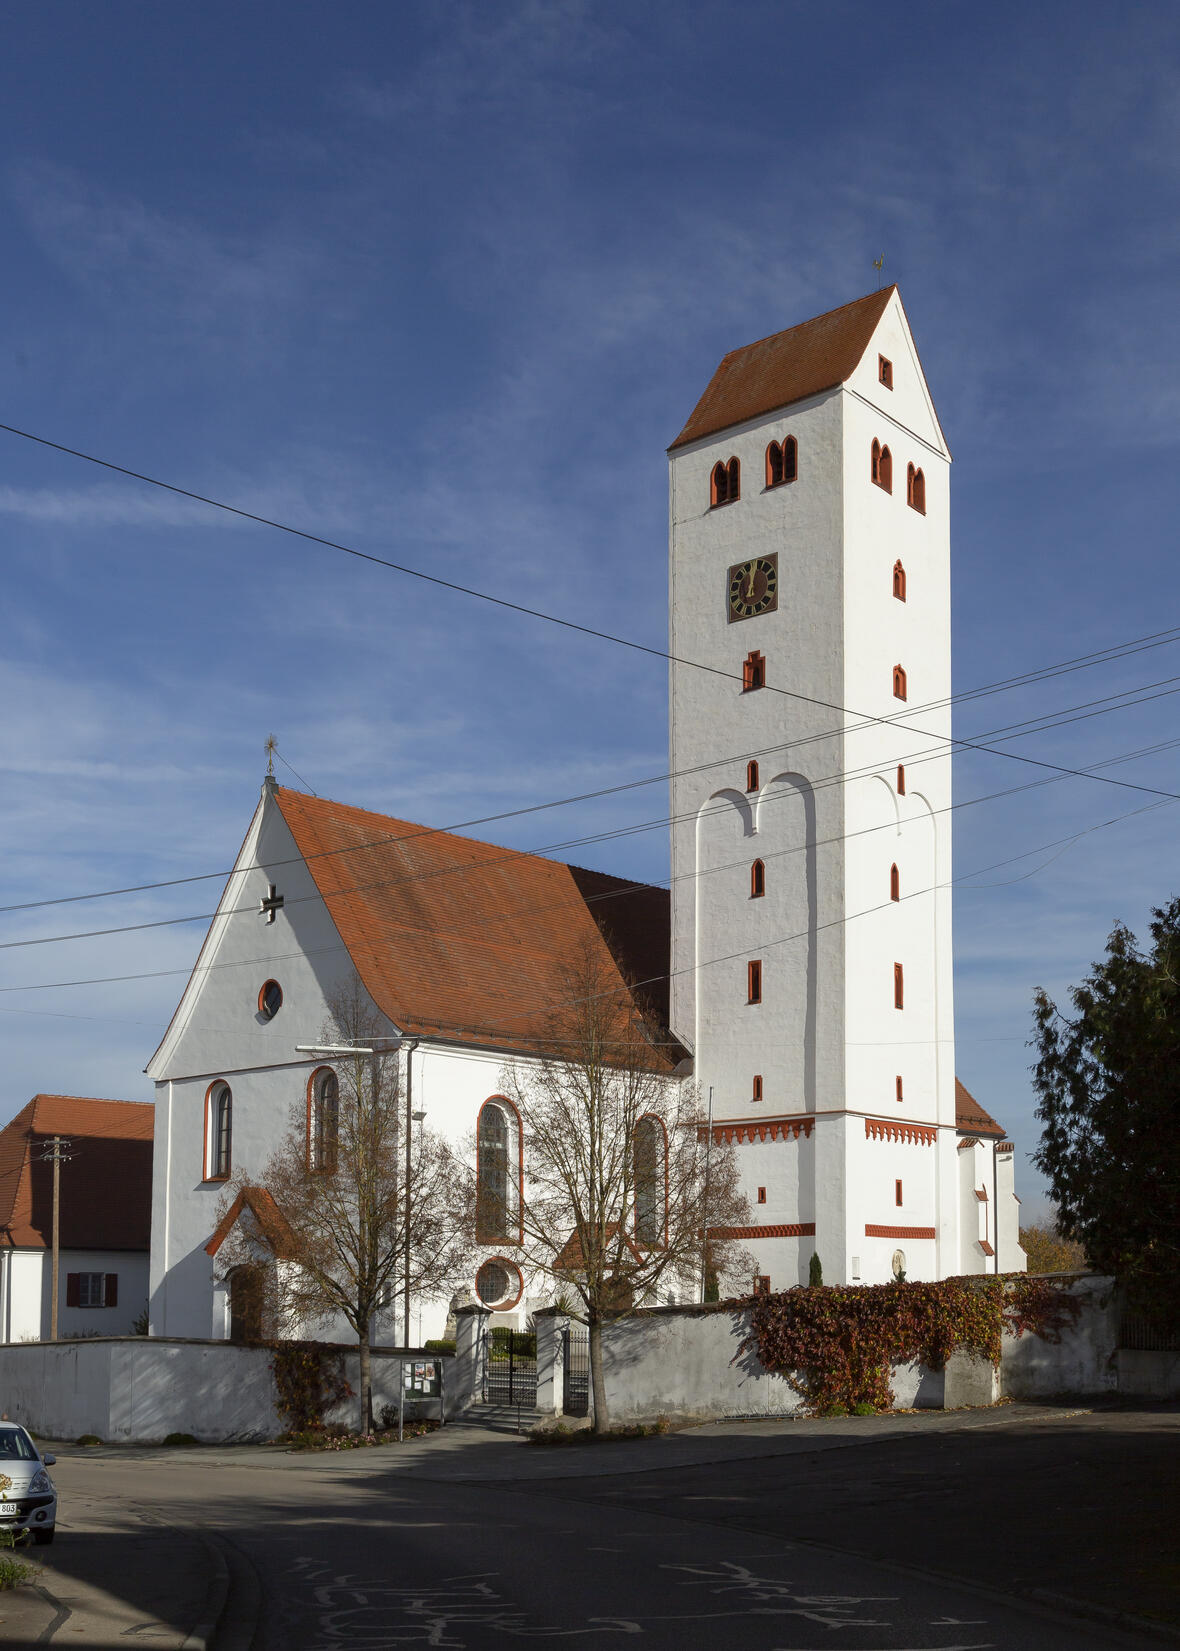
802	957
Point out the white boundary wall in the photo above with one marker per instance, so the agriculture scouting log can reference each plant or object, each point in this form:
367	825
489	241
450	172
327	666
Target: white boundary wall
136	1390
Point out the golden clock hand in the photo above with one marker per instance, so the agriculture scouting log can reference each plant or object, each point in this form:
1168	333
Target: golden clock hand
751	570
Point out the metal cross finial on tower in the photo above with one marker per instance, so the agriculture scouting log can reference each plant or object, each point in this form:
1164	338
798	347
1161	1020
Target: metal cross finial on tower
272	746
879	266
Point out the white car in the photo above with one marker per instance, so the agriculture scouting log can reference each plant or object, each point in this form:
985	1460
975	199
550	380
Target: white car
28	1500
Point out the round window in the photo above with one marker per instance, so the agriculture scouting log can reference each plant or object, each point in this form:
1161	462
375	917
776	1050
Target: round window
270	1000
492	1283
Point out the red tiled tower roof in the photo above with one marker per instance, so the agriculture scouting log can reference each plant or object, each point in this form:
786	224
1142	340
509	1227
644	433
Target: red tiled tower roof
461	940
106	1183
786	367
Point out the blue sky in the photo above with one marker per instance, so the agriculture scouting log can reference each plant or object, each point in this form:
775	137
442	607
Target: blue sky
443	283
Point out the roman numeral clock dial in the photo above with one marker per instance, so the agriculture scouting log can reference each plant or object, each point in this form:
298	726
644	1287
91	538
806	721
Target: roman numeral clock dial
753	587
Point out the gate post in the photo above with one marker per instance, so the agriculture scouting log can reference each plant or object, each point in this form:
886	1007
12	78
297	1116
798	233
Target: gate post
470	1344
551	1327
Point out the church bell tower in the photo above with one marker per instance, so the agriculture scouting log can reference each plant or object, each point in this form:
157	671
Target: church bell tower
809	590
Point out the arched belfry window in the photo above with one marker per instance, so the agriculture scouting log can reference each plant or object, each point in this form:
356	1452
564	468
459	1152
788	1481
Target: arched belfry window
650	1150
219	1129
497	1202
323	1121
894	883
899	682
751	776
753	671
881	466
915	489
782	461
757	880
725	482
899	581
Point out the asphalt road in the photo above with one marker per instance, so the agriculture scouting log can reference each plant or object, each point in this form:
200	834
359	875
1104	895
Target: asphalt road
768	1538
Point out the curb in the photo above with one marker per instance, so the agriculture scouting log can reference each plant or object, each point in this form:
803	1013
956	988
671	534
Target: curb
1102	1613
216	1597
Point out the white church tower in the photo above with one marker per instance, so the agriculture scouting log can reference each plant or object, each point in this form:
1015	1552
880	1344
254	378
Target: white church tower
811	845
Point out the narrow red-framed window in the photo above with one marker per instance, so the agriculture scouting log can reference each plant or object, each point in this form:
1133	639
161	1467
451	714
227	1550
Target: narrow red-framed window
900	1089
751	776
753	672
901	779
754	981
881	466
875	462
774	464
899	682
898	986
899	581
733	471
894	883
756	1089
757	880
762	1195
885	371
915	489
718	485
897	1193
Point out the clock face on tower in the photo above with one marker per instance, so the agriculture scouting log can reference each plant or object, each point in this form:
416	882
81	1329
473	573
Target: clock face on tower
752	587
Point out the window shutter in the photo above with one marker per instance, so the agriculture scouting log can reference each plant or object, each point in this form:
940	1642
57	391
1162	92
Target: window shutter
110	1296
73	1289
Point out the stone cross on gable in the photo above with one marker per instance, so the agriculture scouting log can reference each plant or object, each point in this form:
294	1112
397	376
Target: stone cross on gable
271	903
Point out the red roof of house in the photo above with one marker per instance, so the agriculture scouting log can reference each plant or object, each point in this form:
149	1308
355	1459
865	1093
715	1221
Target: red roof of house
786	367
459	939
969	1115
106	1182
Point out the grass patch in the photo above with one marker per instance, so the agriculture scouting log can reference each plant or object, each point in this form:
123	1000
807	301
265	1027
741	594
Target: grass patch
14	1571
560	1434
180	1439
334	1436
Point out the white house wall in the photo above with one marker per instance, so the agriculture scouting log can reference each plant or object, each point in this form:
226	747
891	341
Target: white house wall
26	1285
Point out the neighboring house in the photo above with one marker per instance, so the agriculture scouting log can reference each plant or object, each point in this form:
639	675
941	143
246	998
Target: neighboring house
104	1217
807	935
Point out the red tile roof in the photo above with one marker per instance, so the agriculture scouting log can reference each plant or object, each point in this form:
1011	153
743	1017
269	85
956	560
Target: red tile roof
462	940
106	1183
969	1115
272	1223
786	367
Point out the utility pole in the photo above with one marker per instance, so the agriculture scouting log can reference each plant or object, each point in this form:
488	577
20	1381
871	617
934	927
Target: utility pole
56	1155
412	1117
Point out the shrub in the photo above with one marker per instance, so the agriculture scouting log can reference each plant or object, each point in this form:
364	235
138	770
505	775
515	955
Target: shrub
836	1344
88	1439
180	1439
438	1346
309	1379
815	1270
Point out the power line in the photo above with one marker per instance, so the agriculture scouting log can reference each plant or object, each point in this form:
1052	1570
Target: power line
864	719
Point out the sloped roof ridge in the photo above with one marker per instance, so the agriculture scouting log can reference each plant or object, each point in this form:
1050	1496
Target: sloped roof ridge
971	1116
419	830
812	320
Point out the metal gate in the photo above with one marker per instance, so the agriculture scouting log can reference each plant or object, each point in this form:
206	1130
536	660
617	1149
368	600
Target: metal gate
575	1385
510	1368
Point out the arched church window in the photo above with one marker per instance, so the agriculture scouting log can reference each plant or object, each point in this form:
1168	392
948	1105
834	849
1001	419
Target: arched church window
782	461
751	776
219	1105
899	581
899	682
497	1173
894	883
650	1148
753	672
881	466
757	880
915	489
725	482
323	1121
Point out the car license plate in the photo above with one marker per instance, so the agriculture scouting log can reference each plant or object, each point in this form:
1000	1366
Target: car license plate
8	1509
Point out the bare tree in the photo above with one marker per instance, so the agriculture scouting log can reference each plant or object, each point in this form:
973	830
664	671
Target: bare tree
622	1192
354	1230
